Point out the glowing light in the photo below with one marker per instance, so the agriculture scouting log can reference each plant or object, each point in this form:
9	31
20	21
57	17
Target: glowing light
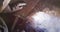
40	17
43	20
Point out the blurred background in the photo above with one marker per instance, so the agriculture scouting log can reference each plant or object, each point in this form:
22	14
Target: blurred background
30	16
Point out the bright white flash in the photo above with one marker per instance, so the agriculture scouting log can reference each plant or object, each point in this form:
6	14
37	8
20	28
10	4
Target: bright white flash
40	17
43	20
